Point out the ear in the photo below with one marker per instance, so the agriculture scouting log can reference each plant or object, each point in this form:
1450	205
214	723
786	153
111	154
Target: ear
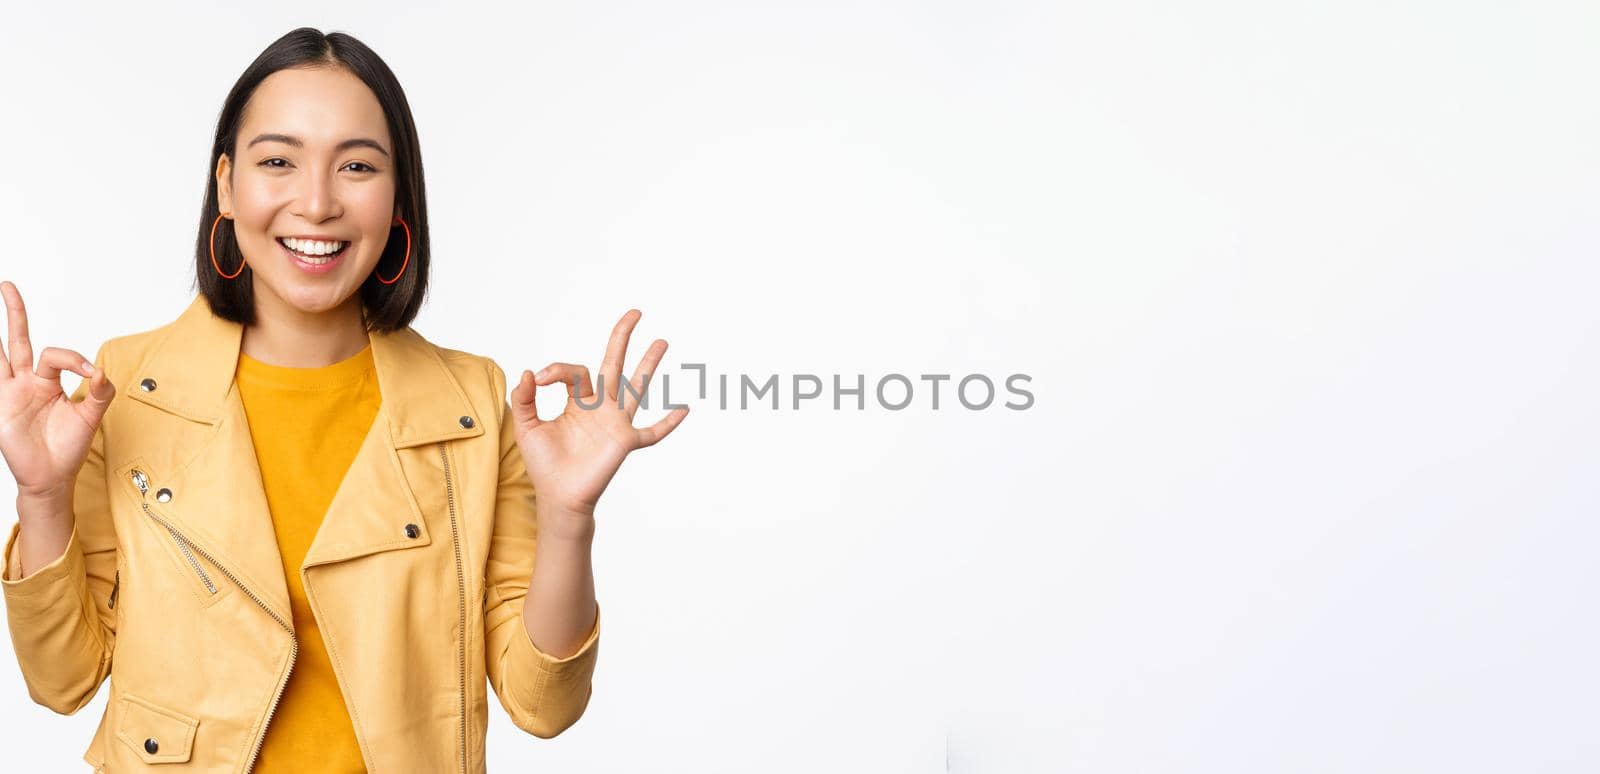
224	183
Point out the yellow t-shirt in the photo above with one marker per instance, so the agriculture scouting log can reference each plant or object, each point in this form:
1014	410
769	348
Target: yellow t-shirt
307	425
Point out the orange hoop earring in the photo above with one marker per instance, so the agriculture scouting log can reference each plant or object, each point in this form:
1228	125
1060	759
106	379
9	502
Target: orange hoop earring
402	222
214	250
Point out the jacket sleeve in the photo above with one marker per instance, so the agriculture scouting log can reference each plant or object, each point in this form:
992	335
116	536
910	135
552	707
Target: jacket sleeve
61	616
544	695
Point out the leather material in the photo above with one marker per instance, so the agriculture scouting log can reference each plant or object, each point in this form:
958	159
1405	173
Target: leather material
176	590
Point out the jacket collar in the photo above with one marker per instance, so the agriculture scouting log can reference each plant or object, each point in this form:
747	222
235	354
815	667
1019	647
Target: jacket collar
218	501
192	370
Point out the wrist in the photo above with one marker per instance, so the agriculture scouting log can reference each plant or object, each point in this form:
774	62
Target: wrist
39	505
558	523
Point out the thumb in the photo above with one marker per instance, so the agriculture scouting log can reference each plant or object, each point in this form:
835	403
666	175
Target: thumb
97	397
523	410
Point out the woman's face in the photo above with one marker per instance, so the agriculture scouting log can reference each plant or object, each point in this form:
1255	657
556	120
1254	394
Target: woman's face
313	166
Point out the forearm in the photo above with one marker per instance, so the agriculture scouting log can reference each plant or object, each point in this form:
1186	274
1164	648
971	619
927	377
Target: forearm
45	525
559	610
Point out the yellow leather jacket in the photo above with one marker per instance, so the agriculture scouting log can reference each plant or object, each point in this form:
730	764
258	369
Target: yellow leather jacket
172	585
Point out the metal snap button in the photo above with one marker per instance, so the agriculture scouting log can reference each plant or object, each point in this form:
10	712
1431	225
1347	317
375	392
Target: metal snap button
163	494
151	745
147	384
412	531
466	421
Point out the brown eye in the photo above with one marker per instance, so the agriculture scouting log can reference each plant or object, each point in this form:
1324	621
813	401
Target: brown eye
366	167
268	163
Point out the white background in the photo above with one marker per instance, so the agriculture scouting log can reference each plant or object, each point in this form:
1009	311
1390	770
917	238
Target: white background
1306	292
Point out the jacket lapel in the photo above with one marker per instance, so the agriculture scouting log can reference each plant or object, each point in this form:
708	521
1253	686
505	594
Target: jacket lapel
217	496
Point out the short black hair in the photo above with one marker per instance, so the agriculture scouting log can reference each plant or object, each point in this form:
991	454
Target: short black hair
386	307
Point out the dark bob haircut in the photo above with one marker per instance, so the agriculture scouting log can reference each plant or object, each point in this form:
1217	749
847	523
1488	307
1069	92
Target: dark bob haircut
385	307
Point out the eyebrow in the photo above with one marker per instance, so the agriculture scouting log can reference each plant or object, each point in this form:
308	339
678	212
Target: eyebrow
354	142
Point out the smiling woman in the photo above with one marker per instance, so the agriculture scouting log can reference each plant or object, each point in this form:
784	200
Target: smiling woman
309	535
315	168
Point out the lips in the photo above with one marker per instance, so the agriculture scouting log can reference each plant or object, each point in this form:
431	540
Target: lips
311	263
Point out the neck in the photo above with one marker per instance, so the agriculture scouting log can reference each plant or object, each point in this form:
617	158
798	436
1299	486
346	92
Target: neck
285	335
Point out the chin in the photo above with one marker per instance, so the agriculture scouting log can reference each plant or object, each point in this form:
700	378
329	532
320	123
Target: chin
313	299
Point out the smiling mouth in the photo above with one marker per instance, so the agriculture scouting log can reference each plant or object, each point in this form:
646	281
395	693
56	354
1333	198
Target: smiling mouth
315	252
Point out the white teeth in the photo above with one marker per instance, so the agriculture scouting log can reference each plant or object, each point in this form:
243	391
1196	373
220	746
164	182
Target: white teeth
312	246
312	251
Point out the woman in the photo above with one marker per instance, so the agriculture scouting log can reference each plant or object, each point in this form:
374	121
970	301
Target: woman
305	537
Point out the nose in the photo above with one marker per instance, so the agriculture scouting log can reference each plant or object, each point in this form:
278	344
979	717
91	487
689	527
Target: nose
319	200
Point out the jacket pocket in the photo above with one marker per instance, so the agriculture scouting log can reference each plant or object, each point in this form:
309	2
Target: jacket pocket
199	575
155	733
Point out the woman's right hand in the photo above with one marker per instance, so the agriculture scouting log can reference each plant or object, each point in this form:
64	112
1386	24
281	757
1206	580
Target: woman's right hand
44	435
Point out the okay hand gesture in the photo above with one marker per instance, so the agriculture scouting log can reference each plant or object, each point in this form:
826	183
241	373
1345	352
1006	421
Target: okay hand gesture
44	435
572	458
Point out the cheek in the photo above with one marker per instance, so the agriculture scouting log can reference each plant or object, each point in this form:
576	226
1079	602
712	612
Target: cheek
372	212
370	204
256	203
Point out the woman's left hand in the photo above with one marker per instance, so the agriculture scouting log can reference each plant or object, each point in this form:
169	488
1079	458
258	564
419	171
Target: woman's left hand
572	458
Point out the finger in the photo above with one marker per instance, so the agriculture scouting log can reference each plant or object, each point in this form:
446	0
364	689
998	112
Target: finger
18	351
53	360
568	373
641	376
523	410
93	395
96	390
616	350
648	436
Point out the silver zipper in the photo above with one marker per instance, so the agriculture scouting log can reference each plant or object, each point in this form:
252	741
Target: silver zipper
461	588
142	481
